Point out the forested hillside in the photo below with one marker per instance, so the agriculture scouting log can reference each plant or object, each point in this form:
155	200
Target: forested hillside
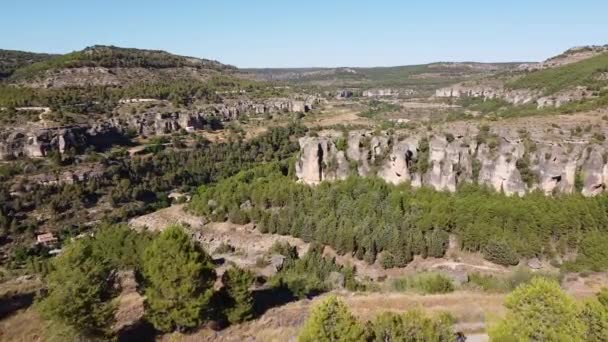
370	219
116	57
11	60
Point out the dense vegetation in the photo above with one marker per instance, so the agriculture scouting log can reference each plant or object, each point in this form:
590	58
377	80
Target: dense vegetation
311	274
372	219
115	57
131	185
176	275
11	60
103	99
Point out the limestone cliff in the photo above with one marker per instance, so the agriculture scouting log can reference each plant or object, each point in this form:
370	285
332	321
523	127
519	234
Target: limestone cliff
509	164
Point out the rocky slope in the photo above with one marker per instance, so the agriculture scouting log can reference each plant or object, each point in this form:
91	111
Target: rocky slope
33	141
503	162
576	75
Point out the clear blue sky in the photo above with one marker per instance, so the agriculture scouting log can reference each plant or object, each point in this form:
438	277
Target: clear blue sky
290	33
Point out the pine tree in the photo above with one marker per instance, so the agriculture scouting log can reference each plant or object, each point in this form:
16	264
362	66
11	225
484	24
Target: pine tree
80	290
237	284
180	280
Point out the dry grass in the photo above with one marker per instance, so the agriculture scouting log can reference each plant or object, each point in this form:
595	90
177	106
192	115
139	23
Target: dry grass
283	323
22	326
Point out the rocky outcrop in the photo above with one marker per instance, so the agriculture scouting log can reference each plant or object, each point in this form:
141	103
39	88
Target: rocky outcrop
569	56
39	143
379	92
152	123
320	160
234	109
515	96
515	166
71	176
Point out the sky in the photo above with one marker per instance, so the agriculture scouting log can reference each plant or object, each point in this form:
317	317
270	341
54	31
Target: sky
311	33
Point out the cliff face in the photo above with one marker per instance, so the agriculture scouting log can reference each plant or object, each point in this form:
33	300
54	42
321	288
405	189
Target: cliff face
32	142
515	96
511	165
233	109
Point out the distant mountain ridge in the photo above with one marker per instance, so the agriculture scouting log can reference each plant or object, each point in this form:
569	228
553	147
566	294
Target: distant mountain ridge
11	60
113	66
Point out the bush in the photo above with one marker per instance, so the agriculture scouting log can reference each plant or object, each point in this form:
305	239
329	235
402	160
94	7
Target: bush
411	326
329	321
500	252
387	260
594	316
539	311
308	275
427	283
238	216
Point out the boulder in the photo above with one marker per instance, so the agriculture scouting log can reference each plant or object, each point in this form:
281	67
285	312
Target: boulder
535	264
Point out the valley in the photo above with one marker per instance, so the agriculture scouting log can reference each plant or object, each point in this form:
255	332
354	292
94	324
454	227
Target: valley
443	188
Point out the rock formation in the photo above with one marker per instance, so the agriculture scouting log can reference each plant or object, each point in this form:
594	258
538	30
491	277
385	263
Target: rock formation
233	109
388	92
515	166
515	96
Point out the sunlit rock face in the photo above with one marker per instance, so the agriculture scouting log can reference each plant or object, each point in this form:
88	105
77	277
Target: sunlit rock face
505	164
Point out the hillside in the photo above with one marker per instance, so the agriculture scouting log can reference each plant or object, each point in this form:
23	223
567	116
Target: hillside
591	73
11	60
429	75
109	65
574	81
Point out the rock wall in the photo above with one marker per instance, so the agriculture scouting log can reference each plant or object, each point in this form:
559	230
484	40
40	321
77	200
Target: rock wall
515	96
511	165
38	143
233	109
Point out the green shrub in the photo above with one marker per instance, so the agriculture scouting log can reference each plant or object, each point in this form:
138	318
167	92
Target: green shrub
500	252
427	283
539	311
593	253
329	321
594	316
411	326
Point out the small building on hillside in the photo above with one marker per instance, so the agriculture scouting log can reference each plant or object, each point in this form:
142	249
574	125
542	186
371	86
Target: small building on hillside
46	239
